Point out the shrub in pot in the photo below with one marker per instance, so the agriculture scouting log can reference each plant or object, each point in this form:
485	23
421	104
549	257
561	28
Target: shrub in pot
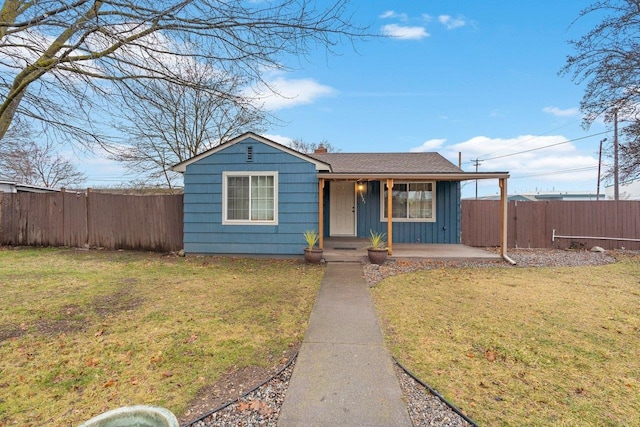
312	254
377	250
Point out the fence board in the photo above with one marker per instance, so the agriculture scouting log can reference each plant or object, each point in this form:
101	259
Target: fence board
531	224
94	219
155	222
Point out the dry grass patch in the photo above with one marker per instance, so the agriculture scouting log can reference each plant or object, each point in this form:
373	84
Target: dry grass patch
530	346
84	332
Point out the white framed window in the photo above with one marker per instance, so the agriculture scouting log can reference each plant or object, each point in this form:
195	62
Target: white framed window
410	201
250	198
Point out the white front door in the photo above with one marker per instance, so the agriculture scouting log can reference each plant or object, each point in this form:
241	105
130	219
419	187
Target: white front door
342	199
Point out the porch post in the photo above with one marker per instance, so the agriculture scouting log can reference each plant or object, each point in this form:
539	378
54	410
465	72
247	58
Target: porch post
321	213
389	216
503	216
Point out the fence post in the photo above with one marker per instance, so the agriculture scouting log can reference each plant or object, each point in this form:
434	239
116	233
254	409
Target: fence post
87	244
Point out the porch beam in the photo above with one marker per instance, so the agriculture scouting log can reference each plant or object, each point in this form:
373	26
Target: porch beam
321	213
390	215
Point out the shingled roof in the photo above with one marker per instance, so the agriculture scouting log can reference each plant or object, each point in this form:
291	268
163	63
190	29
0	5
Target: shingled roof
387	163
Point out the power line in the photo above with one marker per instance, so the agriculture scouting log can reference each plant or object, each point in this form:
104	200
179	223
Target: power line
538	148
533	137
558	172
546	146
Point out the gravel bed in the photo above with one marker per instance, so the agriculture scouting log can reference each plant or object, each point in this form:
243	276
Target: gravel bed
425	409
262	406
523	258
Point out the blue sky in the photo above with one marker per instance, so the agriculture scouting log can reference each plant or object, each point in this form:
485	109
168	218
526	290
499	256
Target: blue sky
475	77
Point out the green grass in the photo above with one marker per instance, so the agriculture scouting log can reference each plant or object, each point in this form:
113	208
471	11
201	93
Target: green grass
82	332
530	346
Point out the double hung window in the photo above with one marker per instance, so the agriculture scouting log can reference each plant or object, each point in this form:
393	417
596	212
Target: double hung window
250	197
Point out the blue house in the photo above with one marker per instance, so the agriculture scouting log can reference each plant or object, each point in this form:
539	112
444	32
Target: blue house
255	196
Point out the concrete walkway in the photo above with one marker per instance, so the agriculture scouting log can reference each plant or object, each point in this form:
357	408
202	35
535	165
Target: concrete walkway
344	375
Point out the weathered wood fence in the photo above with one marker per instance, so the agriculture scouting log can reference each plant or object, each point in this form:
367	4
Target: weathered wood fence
531	224
110	221
115	221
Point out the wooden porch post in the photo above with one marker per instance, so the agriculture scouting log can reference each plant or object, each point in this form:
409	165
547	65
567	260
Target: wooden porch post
504	204
389	216
321	213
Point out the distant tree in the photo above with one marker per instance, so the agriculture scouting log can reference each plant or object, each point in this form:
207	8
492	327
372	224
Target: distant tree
65	62
167	123
24	161
309	147
607	58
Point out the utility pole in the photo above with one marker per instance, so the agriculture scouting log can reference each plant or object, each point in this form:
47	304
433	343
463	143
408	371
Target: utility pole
599	168
476	162
616	190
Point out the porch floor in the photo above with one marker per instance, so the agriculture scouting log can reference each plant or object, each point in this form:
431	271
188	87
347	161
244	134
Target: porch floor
350	249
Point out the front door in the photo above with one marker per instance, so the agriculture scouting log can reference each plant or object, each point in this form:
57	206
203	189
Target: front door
342	202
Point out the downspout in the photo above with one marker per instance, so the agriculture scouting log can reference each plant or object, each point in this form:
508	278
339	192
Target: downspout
503	221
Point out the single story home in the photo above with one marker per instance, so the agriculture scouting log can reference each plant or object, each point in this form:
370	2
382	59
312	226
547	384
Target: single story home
255	196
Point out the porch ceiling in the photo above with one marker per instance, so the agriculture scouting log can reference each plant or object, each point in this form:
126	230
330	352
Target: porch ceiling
459	176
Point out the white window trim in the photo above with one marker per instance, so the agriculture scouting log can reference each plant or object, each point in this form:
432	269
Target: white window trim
226	221
383	202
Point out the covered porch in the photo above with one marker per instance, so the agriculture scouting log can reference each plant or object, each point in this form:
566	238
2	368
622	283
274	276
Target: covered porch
349	249
338	247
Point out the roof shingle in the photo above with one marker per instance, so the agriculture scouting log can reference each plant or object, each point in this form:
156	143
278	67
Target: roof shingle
387	163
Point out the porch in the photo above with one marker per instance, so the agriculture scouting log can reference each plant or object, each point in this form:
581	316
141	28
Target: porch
345	249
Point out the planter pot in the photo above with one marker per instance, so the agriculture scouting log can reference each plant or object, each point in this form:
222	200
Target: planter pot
141	415
377	256
313	256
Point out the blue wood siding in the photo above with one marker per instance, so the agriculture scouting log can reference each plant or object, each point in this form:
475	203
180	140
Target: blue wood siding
204	232
446	228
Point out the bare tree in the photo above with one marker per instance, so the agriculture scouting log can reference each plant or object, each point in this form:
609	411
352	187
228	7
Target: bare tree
309	147
607	58
24	161
62	60
167	123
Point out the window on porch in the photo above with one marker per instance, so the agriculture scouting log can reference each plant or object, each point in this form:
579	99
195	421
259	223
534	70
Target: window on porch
410	201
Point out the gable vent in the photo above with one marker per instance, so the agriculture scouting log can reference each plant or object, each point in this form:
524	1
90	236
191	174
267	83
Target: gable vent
250	153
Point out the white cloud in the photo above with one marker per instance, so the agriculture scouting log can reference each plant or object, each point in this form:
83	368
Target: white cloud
568	112
559	165
450	22
393	14
430	145
404	32
284	140
283	93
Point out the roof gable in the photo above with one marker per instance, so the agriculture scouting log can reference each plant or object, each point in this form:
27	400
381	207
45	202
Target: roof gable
320	165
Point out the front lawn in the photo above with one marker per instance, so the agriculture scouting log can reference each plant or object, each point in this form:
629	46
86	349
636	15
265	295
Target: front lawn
522	346
82	332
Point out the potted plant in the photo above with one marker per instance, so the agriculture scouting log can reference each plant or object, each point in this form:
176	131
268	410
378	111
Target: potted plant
313	255
378	250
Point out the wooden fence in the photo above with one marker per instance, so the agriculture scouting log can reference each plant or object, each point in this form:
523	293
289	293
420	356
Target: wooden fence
531	224
110	221
115	221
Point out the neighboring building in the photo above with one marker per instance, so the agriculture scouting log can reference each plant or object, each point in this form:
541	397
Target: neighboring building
629	190
252	195
546	196
14	187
